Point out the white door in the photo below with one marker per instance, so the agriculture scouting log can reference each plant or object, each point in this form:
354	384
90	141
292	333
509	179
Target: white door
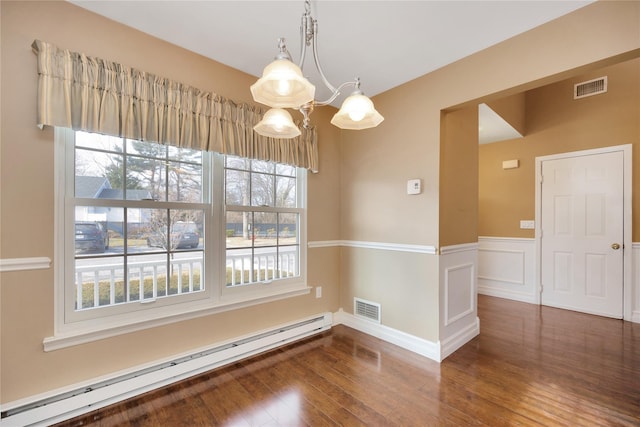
582	233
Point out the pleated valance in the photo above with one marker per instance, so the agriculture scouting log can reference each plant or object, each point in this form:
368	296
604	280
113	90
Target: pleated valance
95	95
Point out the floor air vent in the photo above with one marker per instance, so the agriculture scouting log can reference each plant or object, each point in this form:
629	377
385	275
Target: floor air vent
366	309
589	88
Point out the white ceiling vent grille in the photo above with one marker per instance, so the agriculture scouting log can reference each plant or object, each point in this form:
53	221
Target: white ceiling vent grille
589	88
366	309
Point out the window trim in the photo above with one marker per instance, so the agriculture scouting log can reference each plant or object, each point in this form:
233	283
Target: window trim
68	333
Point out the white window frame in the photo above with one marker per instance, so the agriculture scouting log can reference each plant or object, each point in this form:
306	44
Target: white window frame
70	329
236	293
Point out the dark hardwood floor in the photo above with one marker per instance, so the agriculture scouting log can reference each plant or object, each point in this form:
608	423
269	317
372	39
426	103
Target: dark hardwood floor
530	365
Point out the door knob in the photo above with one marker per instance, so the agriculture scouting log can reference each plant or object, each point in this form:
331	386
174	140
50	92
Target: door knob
615	246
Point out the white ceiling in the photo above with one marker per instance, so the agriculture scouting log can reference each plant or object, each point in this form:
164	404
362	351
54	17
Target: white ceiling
492	127
385	43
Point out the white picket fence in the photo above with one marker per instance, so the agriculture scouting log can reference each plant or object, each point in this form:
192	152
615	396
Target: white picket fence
243	269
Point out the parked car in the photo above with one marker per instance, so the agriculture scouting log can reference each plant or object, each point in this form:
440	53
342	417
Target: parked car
91	237
183	235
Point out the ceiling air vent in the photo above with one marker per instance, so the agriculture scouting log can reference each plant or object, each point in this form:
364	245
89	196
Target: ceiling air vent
367	309
592	87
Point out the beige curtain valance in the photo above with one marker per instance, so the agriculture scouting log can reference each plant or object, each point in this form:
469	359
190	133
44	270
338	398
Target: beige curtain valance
95	95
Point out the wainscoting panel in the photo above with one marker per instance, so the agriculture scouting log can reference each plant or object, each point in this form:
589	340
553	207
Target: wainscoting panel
458	303
458	292
507	268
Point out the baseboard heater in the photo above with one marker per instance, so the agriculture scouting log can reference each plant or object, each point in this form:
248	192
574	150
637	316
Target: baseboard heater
78	401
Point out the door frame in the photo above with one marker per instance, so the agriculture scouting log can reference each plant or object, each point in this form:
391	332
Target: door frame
626	221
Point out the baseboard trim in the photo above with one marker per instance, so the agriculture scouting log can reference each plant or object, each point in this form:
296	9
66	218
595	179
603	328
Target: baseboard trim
506	294
68	402
457	340
409	342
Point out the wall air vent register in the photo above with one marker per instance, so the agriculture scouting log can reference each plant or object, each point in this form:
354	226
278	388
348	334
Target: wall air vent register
589	88
367	309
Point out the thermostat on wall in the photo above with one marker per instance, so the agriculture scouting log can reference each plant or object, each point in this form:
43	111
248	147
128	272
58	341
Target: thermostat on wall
414	186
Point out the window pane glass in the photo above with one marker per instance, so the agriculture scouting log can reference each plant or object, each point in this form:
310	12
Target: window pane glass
186	273
232	162
146	149
145	229
149	276
237	187
90	231
146	179
101	142
239	266
185	155
171	230
99	282
185	182
146	274
285	192
113	225
285	170
261	246
262	189
262	166
186	229
265	229
288	224
98	175
238	229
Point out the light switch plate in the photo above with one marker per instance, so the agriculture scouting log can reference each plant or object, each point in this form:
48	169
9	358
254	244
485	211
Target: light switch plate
527	224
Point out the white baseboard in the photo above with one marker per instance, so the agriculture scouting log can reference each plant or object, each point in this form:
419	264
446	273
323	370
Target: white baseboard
506	294
410	342
454	342
63	404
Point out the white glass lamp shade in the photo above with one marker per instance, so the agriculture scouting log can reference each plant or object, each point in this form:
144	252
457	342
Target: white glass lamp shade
357	112
277	123
282	85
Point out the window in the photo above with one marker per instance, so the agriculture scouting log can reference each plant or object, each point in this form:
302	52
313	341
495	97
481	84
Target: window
262	221
152	231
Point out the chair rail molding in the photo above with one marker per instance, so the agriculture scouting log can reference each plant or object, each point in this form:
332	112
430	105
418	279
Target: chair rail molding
399	247
22	264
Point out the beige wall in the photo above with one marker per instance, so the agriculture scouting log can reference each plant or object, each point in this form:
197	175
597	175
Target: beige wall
388	278
459	176
27	206
359	195
376	163
557	123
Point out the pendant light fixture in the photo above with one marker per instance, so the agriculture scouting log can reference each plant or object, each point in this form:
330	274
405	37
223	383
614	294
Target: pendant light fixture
283	85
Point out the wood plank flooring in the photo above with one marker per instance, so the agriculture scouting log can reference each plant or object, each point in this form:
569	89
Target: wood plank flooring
530	366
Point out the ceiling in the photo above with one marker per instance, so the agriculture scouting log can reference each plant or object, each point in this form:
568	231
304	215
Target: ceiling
385	43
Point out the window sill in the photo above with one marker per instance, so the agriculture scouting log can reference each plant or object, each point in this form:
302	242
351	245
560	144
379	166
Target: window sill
79	336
